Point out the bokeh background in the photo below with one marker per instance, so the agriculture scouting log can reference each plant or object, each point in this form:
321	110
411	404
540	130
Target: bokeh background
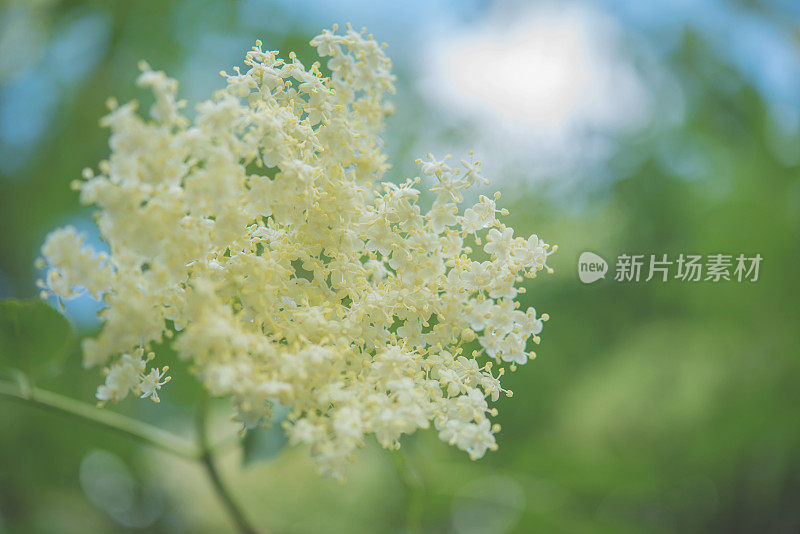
612	126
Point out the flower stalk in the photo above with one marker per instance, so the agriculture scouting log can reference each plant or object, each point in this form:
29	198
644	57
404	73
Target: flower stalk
207	459
115	422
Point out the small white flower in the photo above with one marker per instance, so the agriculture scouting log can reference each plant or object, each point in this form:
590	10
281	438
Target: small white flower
122	377
443	215
499	243
151	382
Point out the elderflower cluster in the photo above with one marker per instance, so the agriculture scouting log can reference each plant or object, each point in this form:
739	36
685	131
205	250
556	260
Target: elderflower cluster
259	236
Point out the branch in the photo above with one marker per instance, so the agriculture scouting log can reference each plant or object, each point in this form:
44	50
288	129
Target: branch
207	459
121	424
413	488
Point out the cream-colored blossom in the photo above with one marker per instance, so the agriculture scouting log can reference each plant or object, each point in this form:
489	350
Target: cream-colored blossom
259	235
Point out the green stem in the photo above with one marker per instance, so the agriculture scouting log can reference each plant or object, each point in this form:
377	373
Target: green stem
126	426
207	459
413	488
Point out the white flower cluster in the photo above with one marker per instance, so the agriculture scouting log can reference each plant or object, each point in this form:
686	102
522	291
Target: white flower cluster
259	235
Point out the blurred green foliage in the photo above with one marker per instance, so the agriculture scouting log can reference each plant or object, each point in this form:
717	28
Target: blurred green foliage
654	407
22	347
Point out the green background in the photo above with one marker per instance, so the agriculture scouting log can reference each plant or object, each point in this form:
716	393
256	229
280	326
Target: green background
652	407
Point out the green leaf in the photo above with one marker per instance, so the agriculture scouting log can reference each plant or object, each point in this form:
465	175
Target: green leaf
33	335
263	443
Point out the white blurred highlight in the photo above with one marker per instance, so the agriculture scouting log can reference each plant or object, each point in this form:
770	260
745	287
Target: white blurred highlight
551	73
